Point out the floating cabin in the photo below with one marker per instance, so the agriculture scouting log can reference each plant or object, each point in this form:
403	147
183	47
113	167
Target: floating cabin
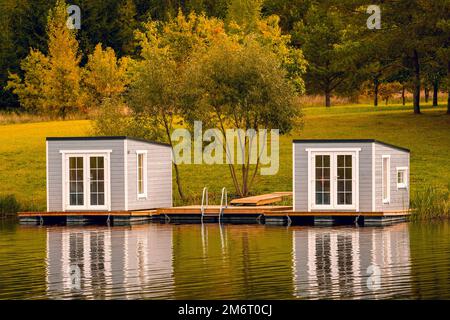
107	174
122	179
361	177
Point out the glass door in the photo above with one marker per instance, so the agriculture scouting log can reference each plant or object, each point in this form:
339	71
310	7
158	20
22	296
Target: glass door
97	181
344	181
333	180
86	182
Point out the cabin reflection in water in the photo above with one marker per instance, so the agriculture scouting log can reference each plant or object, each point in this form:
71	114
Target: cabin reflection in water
125	262
334	262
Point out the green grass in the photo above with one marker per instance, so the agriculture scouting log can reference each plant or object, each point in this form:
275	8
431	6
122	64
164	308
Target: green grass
22	149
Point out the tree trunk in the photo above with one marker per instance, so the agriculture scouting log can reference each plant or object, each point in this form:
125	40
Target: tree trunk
416	94
376	84
177	172
435	93
178	180
427	94
327	98
403	95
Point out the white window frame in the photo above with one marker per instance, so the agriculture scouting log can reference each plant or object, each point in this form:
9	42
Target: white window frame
333	152
386	199
403	185
85	154
144	174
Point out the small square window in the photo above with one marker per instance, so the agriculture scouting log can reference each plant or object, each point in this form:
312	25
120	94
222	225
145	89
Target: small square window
401	178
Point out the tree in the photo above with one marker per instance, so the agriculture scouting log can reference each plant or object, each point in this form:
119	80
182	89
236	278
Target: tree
323	38
59	81
105	76
241	85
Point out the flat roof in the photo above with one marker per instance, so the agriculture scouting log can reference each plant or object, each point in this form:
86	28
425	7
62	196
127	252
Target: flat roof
106	138
350	141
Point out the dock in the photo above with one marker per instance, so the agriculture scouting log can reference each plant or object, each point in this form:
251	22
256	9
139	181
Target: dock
277	215
253	209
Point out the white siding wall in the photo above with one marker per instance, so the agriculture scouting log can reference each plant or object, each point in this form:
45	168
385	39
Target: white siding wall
54	169
159	175
399	198
300	178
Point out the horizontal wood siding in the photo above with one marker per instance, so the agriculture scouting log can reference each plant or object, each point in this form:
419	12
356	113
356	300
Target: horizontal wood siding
54	170
300	178
159	176
399	199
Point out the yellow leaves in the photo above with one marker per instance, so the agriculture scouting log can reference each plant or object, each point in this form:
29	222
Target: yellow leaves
104	74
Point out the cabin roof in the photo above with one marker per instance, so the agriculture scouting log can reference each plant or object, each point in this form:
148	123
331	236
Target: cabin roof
105	138
350	141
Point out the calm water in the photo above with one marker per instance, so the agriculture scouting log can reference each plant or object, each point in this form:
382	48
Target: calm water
166	261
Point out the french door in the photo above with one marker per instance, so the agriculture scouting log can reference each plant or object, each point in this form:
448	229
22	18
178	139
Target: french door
333	180
86	181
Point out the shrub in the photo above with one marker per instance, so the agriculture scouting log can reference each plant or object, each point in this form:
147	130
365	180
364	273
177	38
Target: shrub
431	203
8	205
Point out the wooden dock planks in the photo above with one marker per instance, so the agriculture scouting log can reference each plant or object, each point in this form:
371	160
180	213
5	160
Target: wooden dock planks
262	199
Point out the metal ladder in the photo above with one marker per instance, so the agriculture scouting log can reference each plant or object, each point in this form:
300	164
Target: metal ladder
204	198
222	207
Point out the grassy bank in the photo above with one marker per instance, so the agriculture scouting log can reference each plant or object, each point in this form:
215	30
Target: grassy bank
22	149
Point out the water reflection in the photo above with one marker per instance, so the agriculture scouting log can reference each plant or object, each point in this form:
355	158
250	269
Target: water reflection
345	262
209	261
124	262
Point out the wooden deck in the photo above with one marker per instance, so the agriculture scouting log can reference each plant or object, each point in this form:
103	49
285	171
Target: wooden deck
143	213
215	210
290	213
248	214
261	200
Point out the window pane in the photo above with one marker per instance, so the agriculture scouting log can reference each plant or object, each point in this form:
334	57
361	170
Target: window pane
326	161
341	162
319	186
348	198
101	199
319	198
348	173
93	199
341	198
318	161
326	198
348	161
348	185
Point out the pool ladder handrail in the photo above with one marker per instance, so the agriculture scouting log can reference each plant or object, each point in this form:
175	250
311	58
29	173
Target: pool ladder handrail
222	207
204	198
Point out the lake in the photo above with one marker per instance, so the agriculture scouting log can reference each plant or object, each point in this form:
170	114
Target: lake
212	261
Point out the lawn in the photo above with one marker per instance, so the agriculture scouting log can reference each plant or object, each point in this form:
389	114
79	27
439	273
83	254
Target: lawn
22	149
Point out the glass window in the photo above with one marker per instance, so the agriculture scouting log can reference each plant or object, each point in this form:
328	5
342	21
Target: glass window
322	179
386	179
344	180
97	181
401	178
141	174
76	186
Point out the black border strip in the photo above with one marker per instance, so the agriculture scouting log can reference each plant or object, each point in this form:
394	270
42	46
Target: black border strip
106	138
349	141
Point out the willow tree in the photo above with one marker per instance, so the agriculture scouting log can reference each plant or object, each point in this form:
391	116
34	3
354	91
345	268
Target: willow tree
165	49
239	85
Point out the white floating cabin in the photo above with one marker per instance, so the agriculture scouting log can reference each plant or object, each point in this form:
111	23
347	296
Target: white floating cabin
107	174
350	175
